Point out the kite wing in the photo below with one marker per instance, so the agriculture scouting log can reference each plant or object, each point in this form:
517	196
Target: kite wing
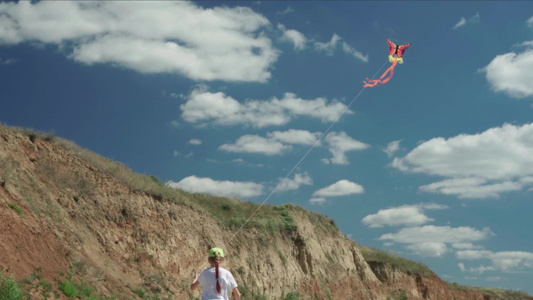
392	47
401	49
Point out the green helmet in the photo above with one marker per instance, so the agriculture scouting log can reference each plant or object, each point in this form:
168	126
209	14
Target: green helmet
216	250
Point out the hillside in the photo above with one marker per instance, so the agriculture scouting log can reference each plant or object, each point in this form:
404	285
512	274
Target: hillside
80	225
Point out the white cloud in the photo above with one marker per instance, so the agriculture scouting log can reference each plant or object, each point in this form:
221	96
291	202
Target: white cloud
530	22
339	144
274	144
408	215
287	10
179	37
507	261
8	61
220	188
494	278
217	108
318	200
473	188
328	47
299	179
461	267
435	249
403	215
480	165
432	240
295	37
431	206
255	144
460	23
340	188
195	142
354	52
392	147
465	246
463	21
295	136
511	73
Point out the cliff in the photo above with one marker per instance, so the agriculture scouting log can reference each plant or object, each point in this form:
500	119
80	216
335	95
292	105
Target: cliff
80	225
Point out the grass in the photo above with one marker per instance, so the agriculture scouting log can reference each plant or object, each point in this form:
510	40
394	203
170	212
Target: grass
15	207
292	296
403	264
10	289
230	212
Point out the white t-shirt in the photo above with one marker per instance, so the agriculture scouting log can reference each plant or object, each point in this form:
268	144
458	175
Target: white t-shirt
209	284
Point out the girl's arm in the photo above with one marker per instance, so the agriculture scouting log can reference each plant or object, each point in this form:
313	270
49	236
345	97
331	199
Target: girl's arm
195	283
237	294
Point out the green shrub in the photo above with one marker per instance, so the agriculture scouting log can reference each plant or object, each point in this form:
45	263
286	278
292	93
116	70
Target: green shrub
292	296
9	288
69	288
15	207
140	292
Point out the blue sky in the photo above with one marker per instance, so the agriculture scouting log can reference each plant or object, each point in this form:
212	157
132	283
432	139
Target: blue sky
227	98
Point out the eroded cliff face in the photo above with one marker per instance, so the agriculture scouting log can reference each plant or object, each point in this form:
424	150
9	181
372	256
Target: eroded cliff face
77	219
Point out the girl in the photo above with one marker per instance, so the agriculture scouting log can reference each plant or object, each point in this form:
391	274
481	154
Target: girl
216	281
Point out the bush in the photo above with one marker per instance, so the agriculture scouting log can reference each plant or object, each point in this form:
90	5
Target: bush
292	296
15	207
9	288
69	288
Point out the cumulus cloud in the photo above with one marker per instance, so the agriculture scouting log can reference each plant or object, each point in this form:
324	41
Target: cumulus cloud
473	188
318	200
205	107
407	215
220	43
530	22
275	143
432	240
220	188
463	246
511	73
507	261
463	21
340	143
479	165
295	136
392	147
256	144
194	142
295	37
299	179
429	248
340	188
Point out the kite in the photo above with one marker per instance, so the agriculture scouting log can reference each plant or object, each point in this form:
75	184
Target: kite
395	56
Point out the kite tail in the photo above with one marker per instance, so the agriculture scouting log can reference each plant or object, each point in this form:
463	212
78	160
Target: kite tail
382	80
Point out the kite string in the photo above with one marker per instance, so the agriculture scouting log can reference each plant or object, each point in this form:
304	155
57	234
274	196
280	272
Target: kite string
303	157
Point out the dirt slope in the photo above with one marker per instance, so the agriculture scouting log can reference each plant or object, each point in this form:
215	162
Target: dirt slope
63	217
